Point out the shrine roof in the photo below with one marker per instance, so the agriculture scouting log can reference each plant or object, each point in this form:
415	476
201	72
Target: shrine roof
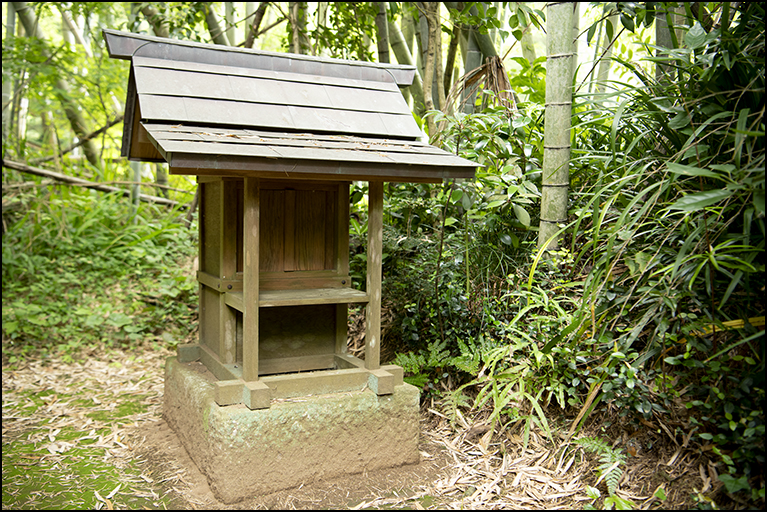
216	110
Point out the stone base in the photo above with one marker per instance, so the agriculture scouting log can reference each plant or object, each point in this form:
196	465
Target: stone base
245	452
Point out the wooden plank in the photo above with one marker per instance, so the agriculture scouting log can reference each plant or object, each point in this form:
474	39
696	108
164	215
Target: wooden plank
442	162
164	131
342	227
303	280
234	300
242	138
342	328
173	109
344	361
315	383
272	230
210	221
210	318
222	285
289	262
220	370
271	168
374	262
250	283
331	229
123	45
268	74
270	298
228	258
305	297
296	365
310	230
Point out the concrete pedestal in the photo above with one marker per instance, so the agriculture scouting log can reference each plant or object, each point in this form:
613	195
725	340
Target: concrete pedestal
246	452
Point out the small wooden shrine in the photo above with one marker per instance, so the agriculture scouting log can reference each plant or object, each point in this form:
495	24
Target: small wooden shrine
275	141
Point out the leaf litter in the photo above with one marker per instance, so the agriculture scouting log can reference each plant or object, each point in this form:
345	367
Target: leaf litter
72	413
67	431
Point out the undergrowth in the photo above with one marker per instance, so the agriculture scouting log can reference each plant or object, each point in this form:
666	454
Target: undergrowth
81	270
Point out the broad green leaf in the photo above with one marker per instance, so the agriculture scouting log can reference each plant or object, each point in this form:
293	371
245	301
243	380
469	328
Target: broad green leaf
627	22
466	201
680	121
696	36
698	200
450	221
506	239
522	215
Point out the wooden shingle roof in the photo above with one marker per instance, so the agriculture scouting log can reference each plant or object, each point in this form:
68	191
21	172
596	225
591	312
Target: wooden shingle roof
214	110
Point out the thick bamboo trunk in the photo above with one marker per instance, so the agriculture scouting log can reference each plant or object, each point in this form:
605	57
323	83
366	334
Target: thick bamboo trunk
403	55
556	138
214	27
382	27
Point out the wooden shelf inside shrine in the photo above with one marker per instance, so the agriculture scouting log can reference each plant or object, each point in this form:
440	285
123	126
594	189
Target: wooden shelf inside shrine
302	297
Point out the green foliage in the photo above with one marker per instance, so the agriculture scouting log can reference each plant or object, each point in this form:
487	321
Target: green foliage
84	269
669	229
349	25
610	461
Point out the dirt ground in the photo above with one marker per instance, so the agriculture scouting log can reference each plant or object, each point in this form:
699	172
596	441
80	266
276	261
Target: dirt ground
107	410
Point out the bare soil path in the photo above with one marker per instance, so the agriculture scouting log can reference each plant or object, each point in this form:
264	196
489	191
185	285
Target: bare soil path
91	435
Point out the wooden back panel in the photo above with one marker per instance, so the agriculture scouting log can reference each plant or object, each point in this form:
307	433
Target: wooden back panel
299	228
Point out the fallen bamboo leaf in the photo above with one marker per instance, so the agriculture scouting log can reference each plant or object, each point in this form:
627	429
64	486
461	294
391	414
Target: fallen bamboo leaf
114	491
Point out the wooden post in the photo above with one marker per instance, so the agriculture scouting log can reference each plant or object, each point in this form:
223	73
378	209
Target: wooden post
375	254
250	280
227	349
341	224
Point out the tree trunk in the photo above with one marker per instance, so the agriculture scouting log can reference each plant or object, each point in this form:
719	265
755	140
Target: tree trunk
255	23
435	38
403	55
159	24
10	30
231	29
162	180
484	41
297	17
431	14
211	20
472	59
450	63
136	187
76	120
75	31
382	27
665	37
556	145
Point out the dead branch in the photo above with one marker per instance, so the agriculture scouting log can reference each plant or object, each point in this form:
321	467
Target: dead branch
79	143
85	183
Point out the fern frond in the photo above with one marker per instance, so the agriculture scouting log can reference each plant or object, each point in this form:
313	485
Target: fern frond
611	461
